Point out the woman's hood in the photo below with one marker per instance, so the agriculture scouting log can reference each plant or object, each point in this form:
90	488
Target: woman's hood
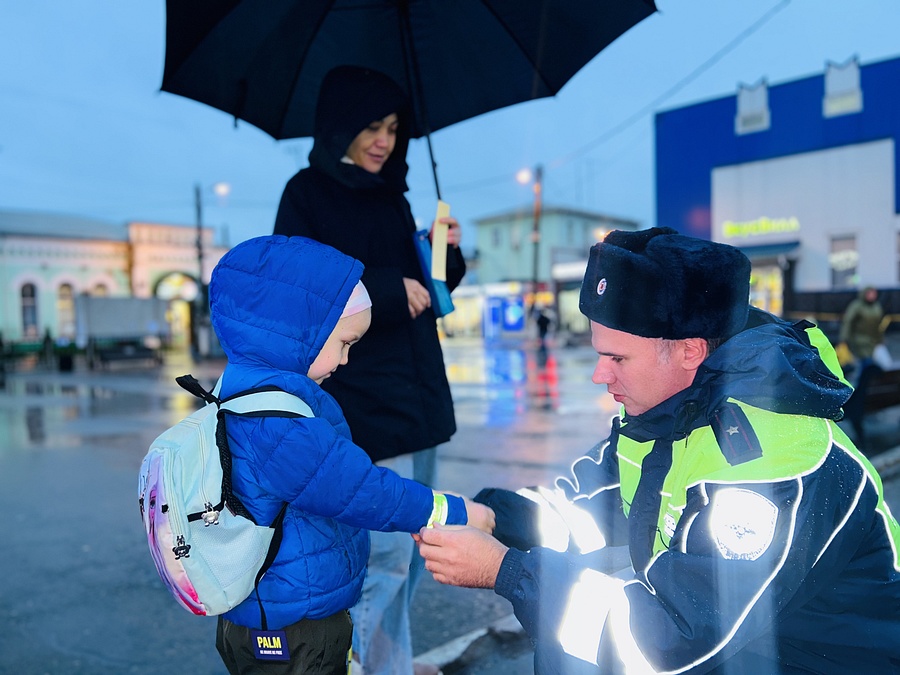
275	300
350	99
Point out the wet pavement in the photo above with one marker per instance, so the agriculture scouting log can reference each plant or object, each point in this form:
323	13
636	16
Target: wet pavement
78	590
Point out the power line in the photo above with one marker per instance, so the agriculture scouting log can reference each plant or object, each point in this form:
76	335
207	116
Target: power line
674	89
647	109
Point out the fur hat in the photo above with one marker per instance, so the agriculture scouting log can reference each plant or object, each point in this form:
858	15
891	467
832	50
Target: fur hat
658	283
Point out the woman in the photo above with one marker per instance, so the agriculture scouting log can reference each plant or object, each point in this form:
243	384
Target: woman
394	392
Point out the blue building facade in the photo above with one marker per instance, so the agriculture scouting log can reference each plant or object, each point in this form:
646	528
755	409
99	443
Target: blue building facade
803	176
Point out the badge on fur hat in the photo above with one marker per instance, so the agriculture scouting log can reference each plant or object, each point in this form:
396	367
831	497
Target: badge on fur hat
601	286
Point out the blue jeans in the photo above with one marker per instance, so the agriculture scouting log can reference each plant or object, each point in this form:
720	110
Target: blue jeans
381	633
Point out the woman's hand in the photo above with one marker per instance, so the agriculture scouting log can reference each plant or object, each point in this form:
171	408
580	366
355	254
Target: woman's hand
454	231
417	296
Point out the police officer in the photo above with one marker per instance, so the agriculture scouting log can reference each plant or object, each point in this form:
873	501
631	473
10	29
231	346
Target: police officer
758	537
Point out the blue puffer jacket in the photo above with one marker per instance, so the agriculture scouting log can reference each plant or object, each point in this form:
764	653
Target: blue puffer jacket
274	302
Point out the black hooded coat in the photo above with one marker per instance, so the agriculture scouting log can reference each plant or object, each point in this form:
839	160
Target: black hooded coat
394	390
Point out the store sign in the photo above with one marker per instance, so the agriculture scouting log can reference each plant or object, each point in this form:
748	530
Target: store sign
759	227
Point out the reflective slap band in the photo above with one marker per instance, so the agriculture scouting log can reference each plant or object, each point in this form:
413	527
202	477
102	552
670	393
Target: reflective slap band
439	511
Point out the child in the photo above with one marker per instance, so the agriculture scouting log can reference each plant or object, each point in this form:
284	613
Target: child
287	311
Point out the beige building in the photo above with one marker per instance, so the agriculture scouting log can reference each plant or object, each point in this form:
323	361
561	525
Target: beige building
47	260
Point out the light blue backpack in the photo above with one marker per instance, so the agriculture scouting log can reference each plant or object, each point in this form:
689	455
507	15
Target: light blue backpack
206	547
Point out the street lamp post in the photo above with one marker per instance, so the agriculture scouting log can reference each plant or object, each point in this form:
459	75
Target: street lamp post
537	186
201	315
198	211
203	328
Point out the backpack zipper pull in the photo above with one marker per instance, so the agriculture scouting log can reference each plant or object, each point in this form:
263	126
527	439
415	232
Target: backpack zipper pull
181	550
210	515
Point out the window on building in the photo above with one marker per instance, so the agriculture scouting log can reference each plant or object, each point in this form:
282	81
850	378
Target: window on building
496	236
570	232
844	262
843	95
100	290
29	311
65	311
752	109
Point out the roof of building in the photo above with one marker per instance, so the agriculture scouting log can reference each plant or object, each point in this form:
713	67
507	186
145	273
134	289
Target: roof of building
548	210
38	224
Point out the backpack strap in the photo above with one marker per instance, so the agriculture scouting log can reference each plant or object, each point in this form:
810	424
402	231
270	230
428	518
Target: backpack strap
262	402
266	402
190	383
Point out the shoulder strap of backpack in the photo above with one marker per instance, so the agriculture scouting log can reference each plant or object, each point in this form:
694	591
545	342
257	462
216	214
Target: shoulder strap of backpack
265	401
261	401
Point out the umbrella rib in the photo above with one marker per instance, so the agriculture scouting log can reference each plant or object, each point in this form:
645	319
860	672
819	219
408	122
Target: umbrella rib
518	43
414	77
411	64
300	63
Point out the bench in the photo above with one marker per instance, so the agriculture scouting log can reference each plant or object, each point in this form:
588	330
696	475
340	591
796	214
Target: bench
876	390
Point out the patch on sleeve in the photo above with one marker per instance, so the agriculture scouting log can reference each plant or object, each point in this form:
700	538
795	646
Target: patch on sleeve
742	523
735	435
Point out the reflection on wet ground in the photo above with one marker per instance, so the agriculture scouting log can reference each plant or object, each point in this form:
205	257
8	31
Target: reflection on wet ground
492	386
495	386
43	407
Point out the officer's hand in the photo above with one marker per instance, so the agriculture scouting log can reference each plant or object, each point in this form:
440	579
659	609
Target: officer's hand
461	555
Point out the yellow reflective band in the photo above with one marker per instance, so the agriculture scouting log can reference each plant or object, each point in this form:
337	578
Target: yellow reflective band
439	510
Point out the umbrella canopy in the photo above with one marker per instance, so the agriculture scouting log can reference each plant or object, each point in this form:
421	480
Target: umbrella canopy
262	61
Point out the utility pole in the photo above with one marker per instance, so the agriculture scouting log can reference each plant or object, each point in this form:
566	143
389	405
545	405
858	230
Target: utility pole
538	187
201	315
198	210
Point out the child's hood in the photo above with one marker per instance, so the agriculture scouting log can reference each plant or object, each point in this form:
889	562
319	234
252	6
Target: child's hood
274	300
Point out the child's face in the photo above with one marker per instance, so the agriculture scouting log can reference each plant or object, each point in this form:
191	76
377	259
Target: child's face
334	353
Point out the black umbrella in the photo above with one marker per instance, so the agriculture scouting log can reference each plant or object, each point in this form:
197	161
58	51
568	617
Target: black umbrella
263	60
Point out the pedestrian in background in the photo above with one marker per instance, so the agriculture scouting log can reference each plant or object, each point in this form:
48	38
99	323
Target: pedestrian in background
758	536
543	325
861	326
394	392
287	312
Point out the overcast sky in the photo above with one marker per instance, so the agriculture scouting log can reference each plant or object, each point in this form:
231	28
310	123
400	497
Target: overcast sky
84	129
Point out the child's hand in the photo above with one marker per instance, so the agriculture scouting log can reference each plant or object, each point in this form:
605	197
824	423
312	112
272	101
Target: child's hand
480	516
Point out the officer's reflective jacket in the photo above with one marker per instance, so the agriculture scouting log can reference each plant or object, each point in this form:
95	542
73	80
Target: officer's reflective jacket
758	535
